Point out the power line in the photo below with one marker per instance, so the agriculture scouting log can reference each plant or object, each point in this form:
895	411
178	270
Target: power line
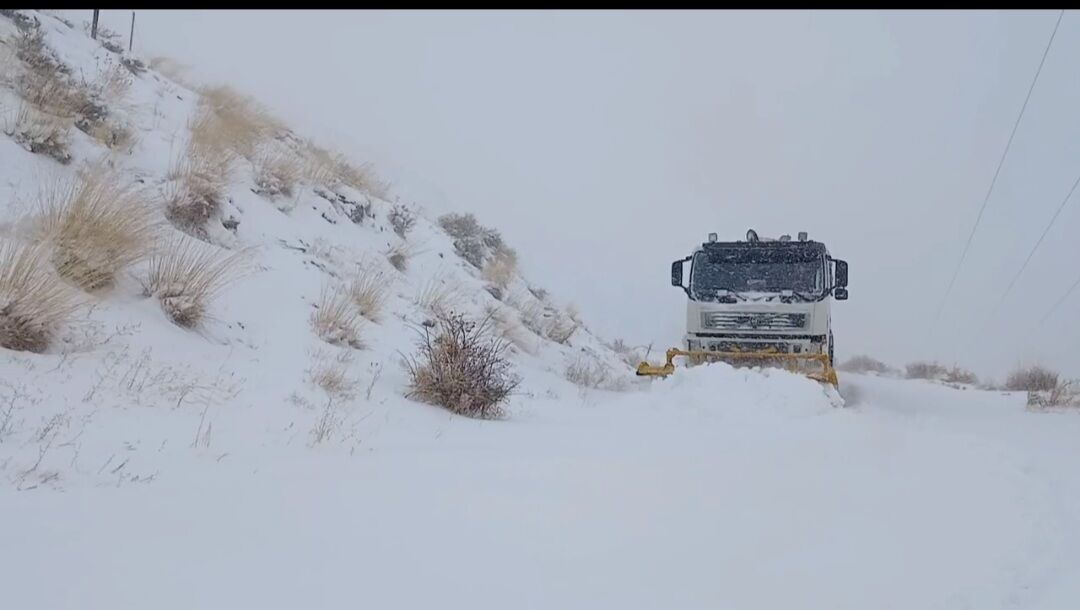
1020	271
1060	301
1001	162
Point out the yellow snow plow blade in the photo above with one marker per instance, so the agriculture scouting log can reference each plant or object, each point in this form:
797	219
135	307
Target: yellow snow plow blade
814	366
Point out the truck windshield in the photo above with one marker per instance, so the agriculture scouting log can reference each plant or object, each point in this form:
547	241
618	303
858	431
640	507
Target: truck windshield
759	269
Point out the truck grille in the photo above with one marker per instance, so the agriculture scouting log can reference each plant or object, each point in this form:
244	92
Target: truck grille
753	321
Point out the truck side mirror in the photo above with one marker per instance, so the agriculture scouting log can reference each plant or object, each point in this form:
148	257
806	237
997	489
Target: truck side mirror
676	273
840	294
841	273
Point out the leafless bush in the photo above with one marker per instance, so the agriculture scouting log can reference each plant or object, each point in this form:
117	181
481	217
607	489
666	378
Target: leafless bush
33	302
632	356
925	370
186	276
402	220
369	289
1064	394
97	227
399	255
865	364
133	64
336	320
1032	379
474	242
462	368
957	374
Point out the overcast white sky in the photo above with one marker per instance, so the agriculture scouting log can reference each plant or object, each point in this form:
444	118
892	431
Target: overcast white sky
606	144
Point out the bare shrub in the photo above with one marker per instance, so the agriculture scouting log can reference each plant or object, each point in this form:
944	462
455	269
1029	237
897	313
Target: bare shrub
41	133
97	227
186	276
399	255
336	320
1032	379
33	302
369	290
865	364
402	220
438	296
462	368
1064	394
474	242
632	356
276	174
957	374
925	370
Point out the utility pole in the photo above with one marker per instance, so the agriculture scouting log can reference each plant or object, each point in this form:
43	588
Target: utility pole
131	36
93	28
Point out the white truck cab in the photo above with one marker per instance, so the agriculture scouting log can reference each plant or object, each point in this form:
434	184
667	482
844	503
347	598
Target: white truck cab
761	295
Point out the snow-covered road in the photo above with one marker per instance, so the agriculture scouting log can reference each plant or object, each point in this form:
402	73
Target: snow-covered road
716	489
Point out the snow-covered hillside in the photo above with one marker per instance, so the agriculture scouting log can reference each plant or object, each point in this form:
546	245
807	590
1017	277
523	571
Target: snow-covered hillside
253	460
135	388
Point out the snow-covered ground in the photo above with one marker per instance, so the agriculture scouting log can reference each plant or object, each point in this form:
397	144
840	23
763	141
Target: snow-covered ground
715	489
147	466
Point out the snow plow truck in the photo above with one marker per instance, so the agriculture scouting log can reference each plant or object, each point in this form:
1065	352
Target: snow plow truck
759	302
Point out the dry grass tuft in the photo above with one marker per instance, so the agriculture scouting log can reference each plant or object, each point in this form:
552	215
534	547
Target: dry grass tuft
327	168
438	297
369	290
33	301
197	190
277	173
336	319
40	133
186	276
499	272
236	122
97	227
331	375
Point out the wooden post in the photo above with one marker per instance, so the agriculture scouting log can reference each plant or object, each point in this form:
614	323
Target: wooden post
131	36
93	28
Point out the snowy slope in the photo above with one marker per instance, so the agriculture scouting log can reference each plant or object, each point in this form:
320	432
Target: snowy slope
147	466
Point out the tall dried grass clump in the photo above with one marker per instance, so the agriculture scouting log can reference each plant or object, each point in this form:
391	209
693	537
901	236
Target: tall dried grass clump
187	275
336	320
34	302
97	227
